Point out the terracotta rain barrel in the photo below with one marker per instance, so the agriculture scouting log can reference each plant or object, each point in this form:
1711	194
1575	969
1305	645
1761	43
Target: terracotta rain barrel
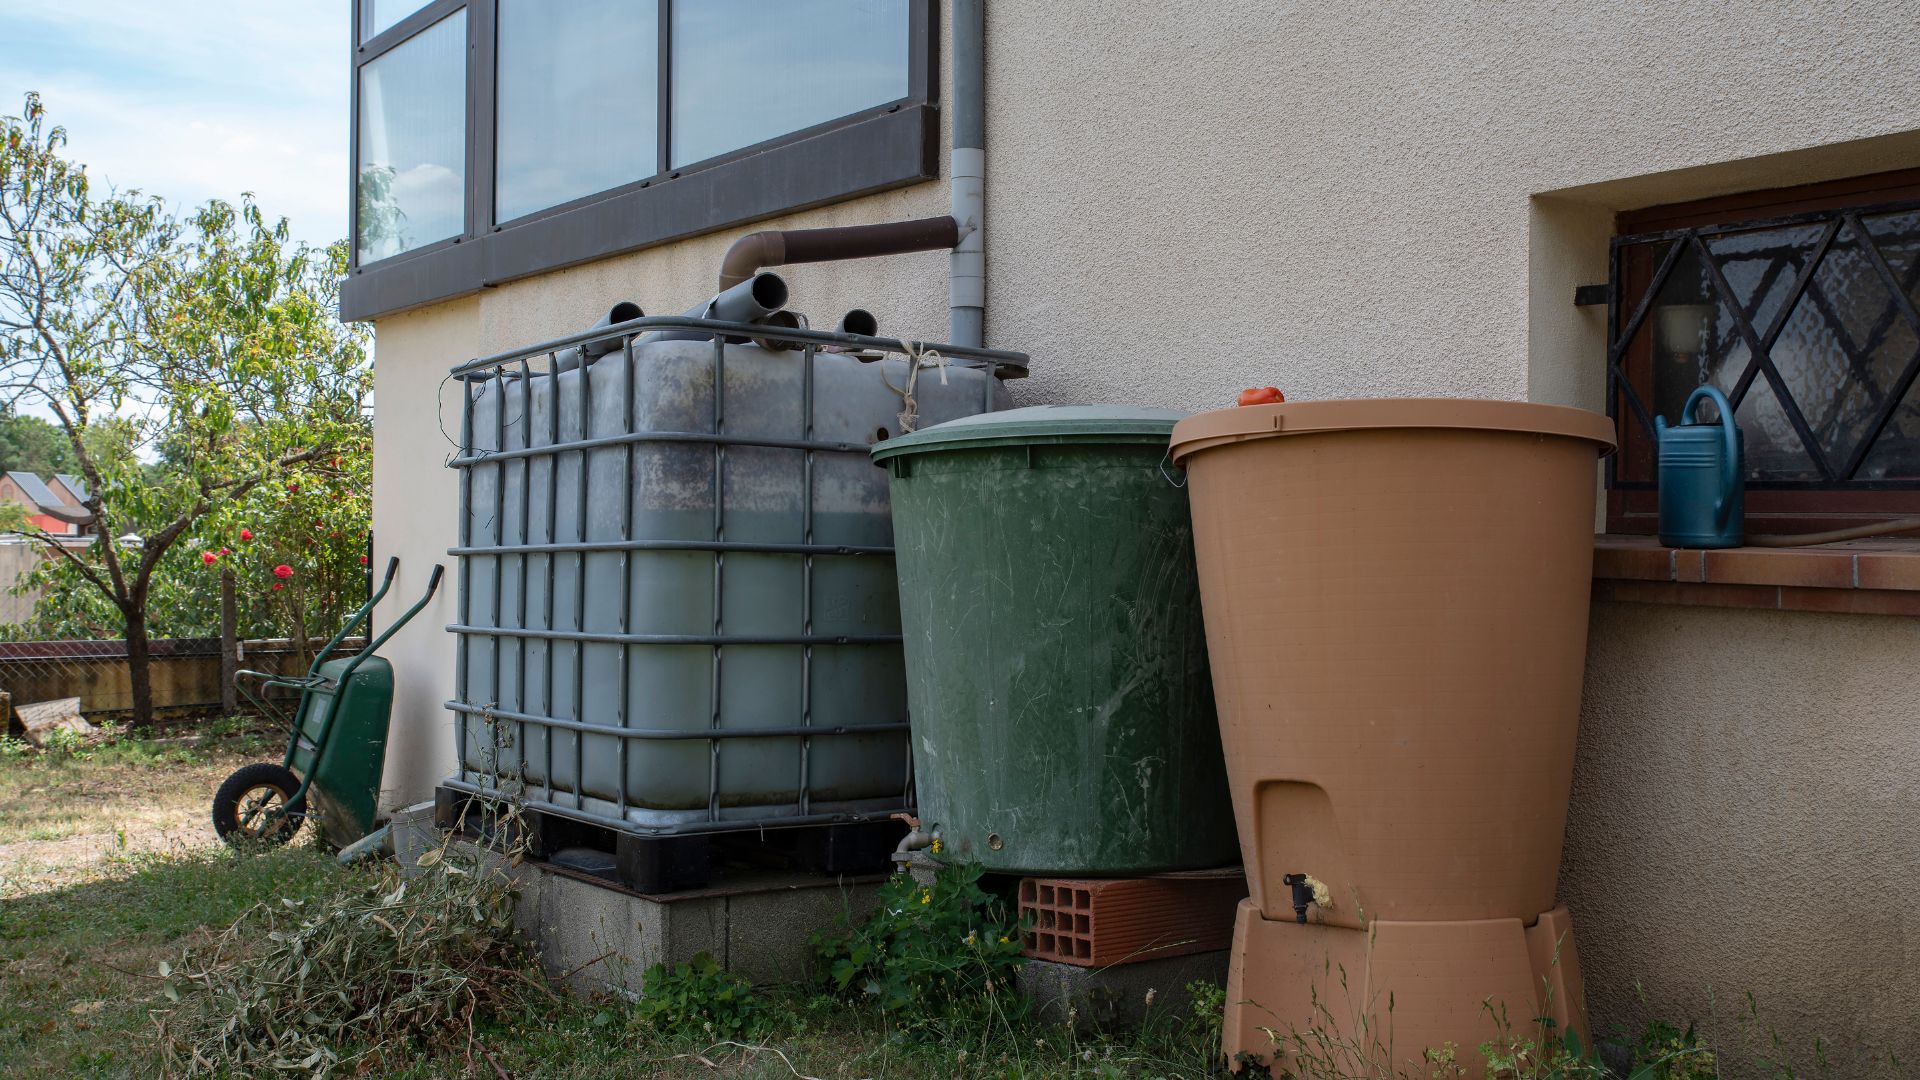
1396	596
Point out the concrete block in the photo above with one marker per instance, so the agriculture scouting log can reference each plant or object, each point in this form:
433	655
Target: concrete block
1117	996
600	936
767	931
414	833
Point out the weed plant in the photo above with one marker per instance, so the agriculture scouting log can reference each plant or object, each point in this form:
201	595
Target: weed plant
936	959
699	995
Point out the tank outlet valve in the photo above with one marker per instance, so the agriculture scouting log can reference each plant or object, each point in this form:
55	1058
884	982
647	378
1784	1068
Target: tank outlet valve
1306	890
917	838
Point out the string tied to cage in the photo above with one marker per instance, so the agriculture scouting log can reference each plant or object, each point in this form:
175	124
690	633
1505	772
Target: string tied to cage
919	357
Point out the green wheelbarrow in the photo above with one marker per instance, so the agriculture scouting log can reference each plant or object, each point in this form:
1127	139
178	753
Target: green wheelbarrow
337	748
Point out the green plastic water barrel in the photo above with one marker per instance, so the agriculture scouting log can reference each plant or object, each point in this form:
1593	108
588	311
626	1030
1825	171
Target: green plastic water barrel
1057	678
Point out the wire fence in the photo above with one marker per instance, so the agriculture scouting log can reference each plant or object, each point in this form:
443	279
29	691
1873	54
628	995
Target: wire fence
185	674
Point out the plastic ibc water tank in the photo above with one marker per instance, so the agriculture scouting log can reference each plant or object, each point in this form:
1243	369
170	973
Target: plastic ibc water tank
678	609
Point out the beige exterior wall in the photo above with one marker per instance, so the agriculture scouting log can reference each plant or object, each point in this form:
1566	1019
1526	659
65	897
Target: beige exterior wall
416	421
1188	197
1744	821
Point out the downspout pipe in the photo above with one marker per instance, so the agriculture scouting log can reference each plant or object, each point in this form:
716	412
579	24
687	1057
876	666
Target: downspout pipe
967	169
962	232
780	247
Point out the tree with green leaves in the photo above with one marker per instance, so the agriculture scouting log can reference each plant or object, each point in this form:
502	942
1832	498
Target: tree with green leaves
32	444
188	364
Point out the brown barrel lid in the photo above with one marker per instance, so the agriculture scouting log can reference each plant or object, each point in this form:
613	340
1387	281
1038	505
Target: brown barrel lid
1210	429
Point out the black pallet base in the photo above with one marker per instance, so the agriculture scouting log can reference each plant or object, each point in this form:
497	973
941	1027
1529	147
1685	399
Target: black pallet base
670	863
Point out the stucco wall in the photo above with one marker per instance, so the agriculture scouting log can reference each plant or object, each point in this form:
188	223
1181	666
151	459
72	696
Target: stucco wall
1744	821
1191	196
415	516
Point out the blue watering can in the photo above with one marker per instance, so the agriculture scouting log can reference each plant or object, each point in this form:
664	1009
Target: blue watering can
1703	502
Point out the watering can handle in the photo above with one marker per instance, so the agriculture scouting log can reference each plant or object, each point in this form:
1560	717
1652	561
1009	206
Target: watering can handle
1730	461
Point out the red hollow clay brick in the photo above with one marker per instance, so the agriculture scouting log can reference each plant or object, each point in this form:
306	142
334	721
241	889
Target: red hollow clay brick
1097	922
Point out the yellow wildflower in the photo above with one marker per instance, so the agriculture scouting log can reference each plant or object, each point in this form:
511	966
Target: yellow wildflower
1003	939
926	896
936	846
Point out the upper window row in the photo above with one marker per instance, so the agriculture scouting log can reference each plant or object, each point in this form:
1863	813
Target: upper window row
590	97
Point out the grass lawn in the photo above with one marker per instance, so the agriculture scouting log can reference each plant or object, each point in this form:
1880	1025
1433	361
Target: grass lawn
67	819
108	866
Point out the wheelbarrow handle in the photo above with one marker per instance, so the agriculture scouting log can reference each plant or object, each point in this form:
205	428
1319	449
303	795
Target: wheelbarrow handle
358	617
433	586
352	665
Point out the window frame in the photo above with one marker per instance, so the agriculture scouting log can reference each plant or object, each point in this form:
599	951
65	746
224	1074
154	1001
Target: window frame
1772	506
428	16
876	149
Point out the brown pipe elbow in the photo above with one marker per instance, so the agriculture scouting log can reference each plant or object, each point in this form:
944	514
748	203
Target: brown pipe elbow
777	247
749	253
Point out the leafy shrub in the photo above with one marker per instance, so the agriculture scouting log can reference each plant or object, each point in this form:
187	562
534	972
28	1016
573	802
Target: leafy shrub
699	996
928	953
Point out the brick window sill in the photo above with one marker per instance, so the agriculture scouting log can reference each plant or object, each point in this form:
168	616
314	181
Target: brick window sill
1861	577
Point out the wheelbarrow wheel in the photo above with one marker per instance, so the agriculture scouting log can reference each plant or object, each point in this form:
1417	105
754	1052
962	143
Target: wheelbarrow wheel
256	805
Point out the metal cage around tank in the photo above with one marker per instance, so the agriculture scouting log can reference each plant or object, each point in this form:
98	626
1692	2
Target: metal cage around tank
524	585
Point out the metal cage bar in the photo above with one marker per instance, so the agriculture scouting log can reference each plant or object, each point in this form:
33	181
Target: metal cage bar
553	560
626	570
789	821
719	567
643	734
526	559
499	531
720	639
463	642
580	582
1007	365
768	547
806	575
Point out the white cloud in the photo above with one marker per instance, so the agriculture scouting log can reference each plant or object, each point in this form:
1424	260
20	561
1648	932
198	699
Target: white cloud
196	101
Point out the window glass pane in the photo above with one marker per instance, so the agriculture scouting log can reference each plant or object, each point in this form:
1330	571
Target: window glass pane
577	91
1696	341
1895	455
378	15
413	142
1843	348
745	71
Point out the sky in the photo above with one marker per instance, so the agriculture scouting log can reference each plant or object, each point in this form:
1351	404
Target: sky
194	99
